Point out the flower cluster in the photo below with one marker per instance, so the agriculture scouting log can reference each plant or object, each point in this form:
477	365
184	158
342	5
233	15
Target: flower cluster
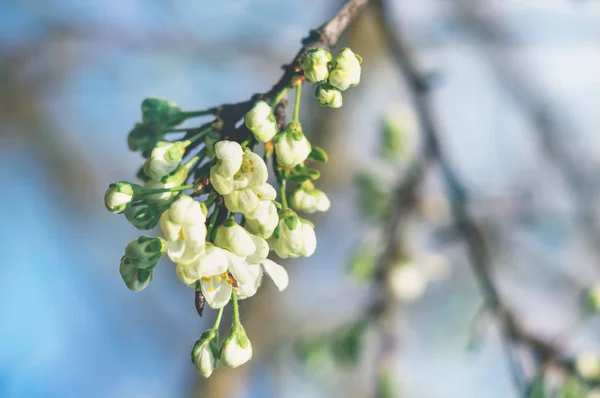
334	75
220	232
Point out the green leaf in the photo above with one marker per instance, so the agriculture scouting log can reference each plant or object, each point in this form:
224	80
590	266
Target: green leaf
347	343
318	154
299	179
363	262
573	388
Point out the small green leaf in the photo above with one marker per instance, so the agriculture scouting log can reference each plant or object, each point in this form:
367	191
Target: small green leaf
318	154
291	222
347	343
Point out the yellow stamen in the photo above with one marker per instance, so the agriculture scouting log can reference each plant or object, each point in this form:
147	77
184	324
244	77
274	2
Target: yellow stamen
205	279
181	234
211	288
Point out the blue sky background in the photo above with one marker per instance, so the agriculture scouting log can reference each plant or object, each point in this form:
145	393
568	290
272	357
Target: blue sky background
73	74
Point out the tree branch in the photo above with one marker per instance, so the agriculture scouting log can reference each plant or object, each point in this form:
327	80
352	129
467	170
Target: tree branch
513	334
546	120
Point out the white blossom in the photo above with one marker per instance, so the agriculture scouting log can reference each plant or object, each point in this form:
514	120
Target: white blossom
291	146
183	224
261	121
293	237
164	159
346	70
308	199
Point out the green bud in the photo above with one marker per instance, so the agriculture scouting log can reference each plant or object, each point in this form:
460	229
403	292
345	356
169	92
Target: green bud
327	95
315	354
143	215
315	64
205	354
592	299
399	134
143	138
385	386
135	278
147	250
161	112
120	195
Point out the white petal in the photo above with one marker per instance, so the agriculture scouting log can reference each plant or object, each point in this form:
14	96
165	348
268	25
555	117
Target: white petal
220	294
250	288
261	252
180	252
213	262
239	269
277	273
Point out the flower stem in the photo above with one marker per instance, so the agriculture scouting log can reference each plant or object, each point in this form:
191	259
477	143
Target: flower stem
210	200
212	222
218	319
297	103
279	96
198	136
282	187
161	190
247	141
198	113
236	309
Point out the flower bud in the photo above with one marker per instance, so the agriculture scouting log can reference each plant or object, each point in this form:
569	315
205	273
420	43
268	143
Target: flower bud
119	196
172	180
143	215
236	349
592	298
291	146
147	250
234	238
588	366
263	220
205	354
261	121
161	111
315	64
400	135
346	70
164	159
229	158
135	278
308	199
406	282
293	237
327	95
